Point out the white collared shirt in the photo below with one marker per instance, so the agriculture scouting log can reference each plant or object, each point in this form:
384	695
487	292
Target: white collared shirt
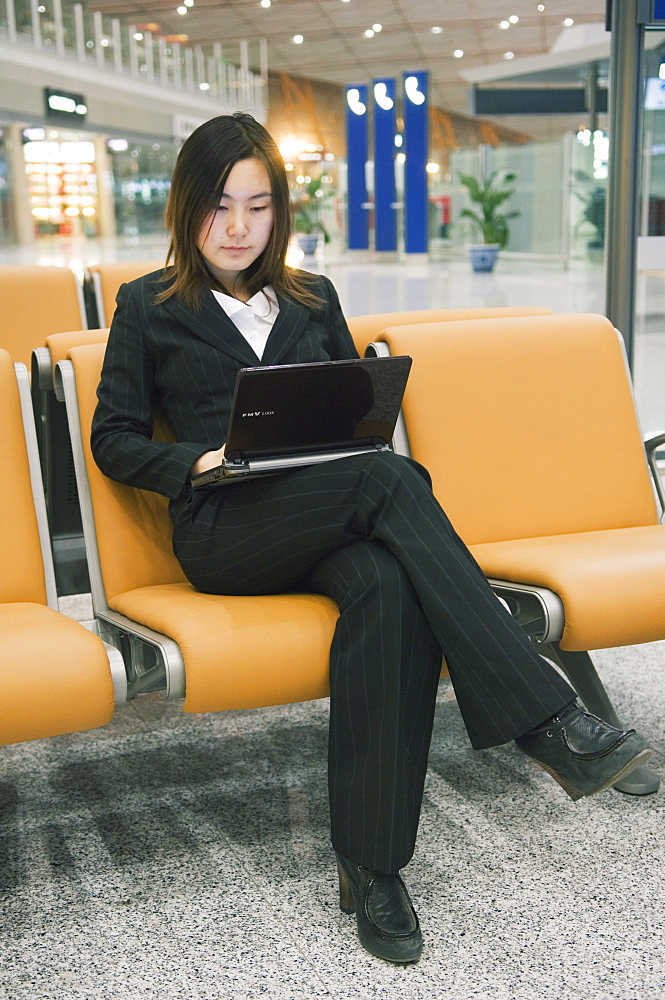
254	318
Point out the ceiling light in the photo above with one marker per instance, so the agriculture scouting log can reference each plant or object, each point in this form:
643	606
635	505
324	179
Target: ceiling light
458	53
508	55
436	30
204	86
377	27
266	3
432	167
181	10
513	18
504	24
298	39
188	3
138	37
369	33
541	7
568	22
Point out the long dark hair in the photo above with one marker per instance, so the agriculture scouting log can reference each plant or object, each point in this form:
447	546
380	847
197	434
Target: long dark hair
202	168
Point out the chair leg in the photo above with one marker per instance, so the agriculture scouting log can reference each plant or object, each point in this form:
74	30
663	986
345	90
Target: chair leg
581	672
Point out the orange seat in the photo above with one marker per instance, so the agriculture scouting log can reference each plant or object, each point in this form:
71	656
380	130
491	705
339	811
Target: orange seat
529	430
365	329
217	652
37	301
55	675
56	457
107	278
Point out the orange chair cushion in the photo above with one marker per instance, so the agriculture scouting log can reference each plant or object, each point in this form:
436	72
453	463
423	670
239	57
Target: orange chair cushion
36	301
22	578
114	274
60	343
612	583
365	329
54	675
527	425
241	652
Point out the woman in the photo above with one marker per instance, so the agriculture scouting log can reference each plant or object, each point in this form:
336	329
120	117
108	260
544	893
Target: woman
365	530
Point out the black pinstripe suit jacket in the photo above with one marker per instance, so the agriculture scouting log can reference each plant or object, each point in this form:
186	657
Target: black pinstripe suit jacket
185	363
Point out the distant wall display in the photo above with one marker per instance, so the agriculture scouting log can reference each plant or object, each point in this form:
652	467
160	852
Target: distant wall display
62	184
385	198
356	158
416	146
412	149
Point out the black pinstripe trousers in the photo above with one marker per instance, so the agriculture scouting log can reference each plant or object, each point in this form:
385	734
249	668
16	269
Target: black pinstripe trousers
368	532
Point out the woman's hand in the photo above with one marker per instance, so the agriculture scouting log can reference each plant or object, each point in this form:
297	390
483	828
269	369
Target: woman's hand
208	460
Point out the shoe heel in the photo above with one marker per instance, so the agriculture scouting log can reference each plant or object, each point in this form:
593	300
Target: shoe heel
346	900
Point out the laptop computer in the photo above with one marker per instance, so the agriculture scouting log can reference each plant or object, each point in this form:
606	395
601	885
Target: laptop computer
284	416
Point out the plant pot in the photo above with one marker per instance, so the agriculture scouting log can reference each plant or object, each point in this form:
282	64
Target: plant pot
308	243
483	256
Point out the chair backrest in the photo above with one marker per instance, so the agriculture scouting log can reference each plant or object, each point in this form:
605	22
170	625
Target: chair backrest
107	279
23	577
132	527
365	329
37	301
527	425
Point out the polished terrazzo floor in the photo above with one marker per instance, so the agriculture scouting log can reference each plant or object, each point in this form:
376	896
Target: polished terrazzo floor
172	856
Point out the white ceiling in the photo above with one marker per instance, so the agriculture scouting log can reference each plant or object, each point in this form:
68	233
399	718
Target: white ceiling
336	50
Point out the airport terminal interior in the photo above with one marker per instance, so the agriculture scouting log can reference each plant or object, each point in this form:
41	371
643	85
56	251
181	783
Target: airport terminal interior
187	856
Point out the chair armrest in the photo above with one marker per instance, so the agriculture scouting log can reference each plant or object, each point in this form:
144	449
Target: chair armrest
651	444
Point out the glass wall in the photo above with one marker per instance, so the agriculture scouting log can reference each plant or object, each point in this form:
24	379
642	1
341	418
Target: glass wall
559	196
141	181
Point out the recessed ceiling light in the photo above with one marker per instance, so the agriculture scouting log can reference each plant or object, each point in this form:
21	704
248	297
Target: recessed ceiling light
369	33
504	24
436	30
377	27
458	53
513	18
204	86
508	55
568	22
541	7
181	10
266	3
298	39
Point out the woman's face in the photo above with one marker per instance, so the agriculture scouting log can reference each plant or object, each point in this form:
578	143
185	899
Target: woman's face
238	230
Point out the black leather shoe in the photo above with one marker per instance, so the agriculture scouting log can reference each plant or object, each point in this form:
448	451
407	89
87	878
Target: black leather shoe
583	753
387	923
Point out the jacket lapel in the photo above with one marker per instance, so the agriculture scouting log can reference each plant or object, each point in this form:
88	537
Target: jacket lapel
288	328
213	325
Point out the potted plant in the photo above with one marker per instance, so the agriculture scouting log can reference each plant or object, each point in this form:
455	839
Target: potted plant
594	210
488	194
308	207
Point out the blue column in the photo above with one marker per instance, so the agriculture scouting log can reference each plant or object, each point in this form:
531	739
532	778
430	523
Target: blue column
356	158
416	147
385	226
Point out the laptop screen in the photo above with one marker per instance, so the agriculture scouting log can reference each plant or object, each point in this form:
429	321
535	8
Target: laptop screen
285	409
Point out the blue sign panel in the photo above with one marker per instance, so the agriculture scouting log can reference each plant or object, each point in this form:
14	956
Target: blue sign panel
385	226
416	147
658	11
356	158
